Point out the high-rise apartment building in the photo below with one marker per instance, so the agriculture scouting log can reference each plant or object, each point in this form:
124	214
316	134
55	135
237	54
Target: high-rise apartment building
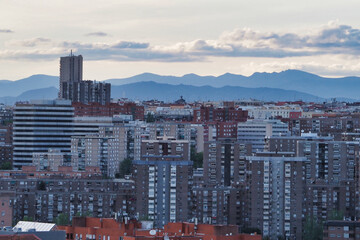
275	194
71	70
217	192
332	178
163	180
74	88
105	150
40	126
224	162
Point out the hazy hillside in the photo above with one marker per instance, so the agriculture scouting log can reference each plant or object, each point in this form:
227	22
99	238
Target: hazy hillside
42	93
290	80
342	88
15	88
167	92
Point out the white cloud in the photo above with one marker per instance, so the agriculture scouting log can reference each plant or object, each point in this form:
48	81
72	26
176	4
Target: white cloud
330	39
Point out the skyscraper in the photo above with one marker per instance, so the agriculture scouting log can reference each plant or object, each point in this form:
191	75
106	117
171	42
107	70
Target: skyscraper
71	68
72	86
71	71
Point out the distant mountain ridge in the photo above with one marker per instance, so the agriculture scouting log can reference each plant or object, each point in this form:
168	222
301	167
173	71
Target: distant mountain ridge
295	80
15	88
41	93
346	87
170	93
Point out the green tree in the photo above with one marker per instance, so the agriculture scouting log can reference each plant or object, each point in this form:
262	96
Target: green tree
84	214
62	219
6	166
144	218
124	168
27	218
313	230
336	215
197	158
150	118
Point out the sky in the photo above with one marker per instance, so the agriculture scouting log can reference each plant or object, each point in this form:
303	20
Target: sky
122	38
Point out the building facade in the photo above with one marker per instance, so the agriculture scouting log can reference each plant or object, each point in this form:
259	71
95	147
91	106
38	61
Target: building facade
212	114
332	178
224	162
74	88
255	131
44	195
163	180
275	194
40	126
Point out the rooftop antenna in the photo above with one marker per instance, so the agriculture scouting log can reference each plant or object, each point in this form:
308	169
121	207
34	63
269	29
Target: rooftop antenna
71	53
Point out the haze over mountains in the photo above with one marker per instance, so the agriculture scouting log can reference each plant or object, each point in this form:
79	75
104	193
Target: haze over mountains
346	87
286	85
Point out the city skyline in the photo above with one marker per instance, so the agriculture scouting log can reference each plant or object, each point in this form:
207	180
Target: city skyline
122	39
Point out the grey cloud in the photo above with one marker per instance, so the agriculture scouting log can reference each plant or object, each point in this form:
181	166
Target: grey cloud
327	38
35	42
120	51
341	36
97	34
124	44
331	39
6	31
69	45
125	51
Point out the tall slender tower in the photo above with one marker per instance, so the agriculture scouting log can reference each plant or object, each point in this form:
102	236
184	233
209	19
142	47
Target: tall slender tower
74	88
71	71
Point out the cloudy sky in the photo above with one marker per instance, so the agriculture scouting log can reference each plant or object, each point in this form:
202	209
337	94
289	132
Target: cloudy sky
121	38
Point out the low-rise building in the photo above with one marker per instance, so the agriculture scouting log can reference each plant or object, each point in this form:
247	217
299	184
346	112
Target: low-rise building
111	229
45	195
341	229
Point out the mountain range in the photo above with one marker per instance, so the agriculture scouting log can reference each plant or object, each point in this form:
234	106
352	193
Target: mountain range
170	93
346	87
16	88
286	85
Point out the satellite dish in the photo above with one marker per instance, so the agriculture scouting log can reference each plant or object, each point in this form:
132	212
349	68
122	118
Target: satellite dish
152	232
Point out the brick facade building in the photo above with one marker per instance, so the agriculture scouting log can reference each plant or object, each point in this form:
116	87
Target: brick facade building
109	109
